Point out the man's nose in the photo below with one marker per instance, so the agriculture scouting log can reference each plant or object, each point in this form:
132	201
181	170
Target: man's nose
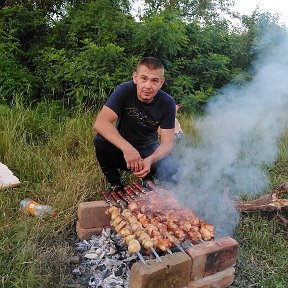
148	84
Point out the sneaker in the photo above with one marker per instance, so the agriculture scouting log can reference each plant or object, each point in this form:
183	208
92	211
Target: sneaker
115	188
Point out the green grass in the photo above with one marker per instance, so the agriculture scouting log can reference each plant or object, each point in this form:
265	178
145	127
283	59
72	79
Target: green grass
53	155
51	151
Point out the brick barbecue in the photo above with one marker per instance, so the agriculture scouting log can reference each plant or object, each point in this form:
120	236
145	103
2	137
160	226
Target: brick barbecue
206	265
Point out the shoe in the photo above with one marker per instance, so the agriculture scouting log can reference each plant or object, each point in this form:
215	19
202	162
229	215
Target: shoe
115	188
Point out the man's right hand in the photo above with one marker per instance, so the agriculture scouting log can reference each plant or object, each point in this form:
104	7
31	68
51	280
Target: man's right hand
133	159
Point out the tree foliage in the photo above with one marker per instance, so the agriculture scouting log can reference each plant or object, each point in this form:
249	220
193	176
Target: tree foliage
161	35
190	9
78	51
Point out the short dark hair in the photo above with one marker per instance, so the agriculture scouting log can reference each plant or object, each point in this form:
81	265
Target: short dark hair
151	62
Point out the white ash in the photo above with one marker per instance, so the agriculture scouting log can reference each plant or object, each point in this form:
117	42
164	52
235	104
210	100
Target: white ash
105	261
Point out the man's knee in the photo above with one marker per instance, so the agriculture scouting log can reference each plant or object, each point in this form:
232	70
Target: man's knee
99	141
167	169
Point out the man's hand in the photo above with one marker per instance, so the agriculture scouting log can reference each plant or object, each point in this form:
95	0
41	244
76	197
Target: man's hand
133	159
147	162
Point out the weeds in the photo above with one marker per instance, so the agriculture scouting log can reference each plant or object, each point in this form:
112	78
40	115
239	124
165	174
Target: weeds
51	152
53	156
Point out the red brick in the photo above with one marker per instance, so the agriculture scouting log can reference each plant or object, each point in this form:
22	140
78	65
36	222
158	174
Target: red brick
85	233
173	271
198	256
211	257
221	257
221	279
92	214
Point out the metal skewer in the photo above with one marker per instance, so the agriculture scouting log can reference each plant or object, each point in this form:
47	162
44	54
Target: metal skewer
180	247
141	257
156	254
192	245
169	251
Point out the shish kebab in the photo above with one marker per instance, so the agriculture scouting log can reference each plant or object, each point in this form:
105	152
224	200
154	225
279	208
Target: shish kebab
149	238
190	224
118	223
160	236
163	232
178	220
138	229
163	239
129	228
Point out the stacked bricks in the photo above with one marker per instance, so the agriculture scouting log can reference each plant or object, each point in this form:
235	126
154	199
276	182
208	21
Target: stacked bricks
206	265
91	219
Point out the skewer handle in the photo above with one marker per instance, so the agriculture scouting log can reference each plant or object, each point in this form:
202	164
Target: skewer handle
138	186
121	194
129	192
133	190
106	196
116	198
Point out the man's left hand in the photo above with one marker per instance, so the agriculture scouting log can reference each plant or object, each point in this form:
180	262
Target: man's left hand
146	168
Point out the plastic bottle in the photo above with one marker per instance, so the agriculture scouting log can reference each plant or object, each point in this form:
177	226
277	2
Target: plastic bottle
32	207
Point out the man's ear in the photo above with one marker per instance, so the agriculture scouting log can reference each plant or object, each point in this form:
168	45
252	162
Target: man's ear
162	81
134	75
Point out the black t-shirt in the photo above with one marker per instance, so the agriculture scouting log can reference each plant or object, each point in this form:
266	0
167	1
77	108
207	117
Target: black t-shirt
138	121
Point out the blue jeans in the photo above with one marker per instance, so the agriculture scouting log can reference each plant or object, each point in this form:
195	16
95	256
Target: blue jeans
111	160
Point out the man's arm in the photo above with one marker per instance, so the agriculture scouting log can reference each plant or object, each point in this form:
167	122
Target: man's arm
104	125
165	147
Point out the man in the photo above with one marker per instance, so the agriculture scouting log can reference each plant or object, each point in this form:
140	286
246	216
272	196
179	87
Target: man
138	107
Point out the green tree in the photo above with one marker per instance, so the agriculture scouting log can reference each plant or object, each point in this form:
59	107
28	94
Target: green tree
20	31
87	53
161	35
191	10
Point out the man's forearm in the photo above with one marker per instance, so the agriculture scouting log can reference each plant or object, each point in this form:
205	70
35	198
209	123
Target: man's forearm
111	134
160	152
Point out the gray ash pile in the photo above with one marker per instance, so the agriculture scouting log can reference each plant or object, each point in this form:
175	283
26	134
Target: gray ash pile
104	261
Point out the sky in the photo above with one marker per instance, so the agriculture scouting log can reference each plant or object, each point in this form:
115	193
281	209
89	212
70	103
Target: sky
274	6
246	7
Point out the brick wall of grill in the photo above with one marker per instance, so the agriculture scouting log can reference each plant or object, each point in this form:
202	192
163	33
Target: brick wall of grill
207	265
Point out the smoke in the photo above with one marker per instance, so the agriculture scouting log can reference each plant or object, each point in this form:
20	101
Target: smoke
239	138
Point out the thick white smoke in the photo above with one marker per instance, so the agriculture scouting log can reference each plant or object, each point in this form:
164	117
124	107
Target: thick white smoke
239	138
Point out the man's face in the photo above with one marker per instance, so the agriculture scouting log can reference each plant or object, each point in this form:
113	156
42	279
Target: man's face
148	82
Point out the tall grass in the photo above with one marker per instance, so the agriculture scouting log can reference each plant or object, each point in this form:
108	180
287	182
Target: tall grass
51	151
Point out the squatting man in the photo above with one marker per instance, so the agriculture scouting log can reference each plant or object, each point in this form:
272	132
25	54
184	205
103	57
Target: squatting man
138	107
